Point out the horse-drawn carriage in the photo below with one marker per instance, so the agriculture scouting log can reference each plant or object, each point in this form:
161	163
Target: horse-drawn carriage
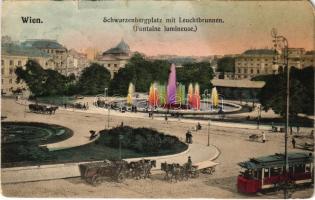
43	109
179	172
268	172
117	170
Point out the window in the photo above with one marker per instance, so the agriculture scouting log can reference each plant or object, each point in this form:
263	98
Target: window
2	71
275	171
11	62
19	63
10	80
299	168
245	76
258	59
239	70
108	65
266	64
308	167
251	71
2	81
258	64
266	172
245	71
2	62
115	65
11	71
258	71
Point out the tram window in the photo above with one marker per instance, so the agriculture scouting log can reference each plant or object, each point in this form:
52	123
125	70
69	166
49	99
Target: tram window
299	168
290	169
257	174
266	173
275	171
308	167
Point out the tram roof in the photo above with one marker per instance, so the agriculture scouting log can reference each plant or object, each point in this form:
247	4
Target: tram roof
277	160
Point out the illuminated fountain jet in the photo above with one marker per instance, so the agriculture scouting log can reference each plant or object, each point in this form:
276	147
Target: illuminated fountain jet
153	95
131	91
214	97
171	87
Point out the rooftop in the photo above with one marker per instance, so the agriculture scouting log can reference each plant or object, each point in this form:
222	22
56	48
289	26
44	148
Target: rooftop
121	48
237	83
276	160
259	52
43	44
20	50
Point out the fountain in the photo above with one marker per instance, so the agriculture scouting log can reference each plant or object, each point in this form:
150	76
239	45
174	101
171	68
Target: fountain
171	87
131	91
174	98
196	97
153	95
214	97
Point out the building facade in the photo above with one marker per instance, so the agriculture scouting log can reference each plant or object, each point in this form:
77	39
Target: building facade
115	58
13	56
76	62
56	51
256	62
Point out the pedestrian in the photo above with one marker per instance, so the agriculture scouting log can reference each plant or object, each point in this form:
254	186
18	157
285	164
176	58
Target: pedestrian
166	118
263	137
122	124
187	137
293	143
189	162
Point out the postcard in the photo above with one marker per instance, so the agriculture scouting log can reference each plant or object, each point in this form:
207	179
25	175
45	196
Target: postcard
157	99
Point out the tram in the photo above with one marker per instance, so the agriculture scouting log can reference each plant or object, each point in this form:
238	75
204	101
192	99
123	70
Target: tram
266	172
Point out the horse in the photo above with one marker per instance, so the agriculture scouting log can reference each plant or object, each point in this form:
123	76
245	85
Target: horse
148	165
52	109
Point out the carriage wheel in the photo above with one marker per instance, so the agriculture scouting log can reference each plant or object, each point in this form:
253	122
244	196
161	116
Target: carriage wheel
212	170
120	178
96	180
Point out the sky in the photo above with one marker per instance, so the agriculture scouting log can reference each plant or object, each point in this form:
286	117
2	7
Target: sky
79	25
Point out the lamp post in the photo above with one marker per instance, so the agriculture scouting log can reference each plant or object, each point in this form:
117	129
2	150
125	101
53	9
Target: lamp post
258	116
120	137
220	95
281	46
209	132
206	95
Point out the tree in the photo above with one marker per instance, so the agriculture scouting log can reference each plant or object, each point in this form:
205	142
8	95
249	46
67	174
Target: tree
226	64
200	73
41	82
93	80
142	72
273	94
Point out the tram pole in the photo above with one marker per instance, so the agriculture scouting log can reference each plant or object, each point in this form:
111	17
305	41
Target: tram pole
281	43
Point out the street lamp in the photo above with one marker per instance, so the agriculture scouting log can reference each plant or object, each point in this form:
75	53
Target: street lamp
220	95
281	45
258	116
209	132
120	137
105	92
206	95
